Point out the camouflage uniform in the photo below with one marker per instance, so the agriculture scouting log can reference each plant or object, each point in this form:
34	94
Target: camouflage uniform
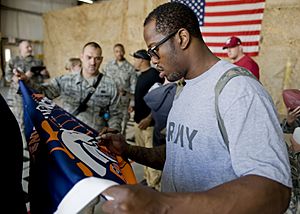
290	129
294	206
125	77
14	99
72	88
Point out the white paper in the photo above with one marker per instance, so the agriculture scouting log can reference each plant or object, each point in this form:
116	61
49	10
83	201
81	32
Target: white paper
296	135
82	193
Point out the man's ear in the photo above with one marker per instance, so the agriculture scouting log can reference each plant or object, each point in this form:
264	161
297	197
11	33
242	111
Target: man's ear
240	48
184	38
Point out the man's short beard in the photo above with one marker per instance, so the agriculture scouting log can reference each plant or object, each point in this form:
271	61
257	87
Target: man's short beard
175	76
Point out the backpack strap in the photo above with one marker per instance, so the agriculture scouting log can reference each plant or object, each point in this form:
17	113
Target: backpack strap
180	84
224	79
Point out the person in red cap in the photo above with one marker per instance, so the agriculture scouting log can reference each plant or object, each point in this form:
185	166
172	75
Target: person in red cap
235	52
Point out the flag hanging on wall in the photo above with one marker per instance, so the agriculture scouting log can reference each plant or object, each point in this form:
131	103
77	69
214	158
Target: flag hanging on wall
221	19
67	168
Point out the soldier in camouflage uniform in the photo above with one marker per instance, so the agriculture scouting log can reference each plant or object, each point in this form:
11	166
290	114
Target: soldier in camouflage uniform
123	73
73	88
289	124
23	63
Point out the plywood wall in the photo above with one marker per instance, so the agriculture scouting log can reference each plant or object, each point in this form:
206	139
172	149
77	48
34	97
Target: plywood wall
107	23
279	57
116	21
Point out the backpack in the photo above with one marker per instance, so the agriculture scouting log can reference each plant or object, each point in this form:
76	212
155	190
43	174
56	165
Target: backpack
293	158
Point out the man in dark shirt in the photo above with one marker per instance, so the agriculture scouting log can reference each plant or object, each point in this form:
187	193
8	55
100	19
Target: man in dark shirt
142	113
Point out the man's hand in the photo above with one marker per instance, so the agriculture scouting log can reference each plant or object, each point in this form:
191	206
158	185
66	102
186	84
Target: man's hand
261	194
145	123
292	115
134	199
130	109
295	145
29	74
19	75
122	92
45	73
106	130
114	142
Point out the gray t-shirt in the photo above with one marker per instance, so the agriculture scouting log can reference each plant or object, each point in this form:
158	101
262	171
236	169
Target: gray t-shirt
197	157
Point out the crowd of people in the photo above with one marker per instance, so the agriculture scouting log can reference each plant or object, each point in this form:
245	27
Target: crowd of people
170	89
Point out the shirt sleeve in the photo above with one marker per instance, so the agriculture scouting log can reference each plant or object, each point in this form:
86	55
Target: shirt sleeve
114	110
51	89
256	141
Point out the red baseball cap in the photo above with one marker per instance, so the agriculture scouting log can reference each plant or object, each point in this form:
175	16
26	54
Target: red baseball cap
232	42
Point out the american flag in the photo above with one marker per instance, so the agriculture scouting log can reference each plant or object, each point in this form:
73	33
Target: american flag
221	19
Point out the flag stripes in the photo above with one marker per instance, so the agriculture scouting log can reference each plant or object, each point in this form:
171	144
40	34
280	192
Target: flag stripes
221	19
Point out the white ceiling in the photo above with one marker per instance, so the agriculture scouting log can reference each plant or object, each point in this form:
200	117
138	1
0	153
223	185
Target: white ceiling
40	6
23	18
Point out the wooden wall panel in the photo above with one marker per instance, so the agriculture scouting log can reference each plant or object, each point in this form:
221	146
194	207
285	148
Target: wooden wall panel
107	23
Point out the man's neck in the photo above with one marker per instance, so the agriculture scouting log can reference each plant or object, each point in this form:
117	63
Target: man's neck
24	56
145	68
199	60
120	60
120	63
87	75
240	56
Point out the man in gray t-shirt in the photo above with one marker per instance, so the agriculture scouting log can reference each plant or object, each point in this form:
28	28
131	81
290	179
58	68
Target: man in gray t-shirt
252	127
200	175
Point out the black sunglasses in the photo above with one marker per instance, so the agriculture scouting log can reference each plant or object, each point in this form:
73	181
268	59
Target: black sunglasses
152	52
